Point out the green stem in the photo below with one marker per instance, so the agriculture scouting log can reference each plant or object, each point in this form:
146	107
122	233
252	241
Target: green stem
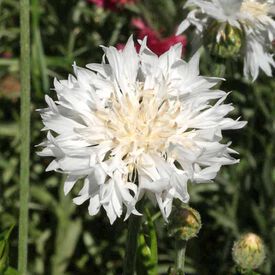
131	246
25	134
220	69
180	250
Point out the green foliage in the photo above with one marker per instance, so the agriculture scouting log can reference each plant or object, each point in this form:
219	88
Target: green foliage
5	251
64	239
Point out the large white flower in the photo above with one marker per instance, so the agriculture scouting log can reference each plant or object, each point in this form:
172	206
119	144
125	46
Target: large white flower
253	17
136	125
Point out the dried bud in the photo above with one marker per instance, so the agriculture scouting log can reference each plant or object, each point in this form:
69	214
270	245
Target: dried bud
185	222
249	252
225	42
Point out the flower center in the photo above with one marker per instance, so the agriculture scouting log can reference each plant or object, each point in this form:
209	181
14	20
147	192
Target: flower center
140	123
254	8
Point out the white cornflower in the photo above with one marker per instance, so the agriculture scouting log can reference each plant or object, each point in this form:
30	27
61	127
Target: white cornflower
136	125
253	17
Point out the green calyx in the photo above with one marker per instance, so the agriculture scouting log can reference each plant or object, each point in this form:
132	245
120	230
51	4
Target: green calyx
249	251
185	223
224	41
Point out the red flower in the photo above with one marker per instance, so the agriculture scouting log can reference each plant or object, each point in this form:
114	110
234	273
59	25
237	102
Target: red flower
110	4
6	54
155	42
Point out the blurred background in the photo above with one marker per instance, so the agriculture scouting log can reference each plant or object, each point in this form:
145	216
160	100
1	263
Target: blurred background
63	238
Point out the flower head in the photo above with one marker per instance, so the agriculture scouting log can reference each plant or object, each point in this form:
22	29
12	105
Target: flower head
155	41
252	17
134	125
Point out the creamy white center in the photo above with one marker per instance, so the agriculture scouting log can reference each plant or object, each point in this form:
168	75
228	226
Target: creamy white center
254	8
140	123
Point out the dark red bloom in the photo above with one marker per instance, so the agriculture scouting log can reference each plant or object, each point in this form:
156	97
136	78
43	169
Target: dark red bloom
110	4
6	54
155	42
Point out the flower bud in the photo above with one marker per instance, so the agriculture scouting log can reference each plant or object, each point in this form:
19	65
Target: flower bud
224	42
249	252
185	222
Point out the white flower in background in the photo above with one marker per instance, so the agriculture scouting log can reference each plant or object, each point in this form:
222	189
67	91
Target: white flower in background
253	17
137	125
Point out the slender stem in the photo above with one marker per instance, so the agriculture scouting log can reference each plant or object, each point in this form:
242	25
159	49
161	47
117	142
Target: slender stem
220	69
131	246
25	134
180	250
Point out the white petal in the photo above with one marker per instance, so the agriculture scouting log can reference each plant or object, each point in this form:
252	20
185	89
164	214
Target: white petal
69	183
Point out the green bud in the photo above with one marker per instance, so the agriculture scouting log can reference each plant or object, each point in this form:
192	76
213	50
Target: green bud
230	41
249	251
185	222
